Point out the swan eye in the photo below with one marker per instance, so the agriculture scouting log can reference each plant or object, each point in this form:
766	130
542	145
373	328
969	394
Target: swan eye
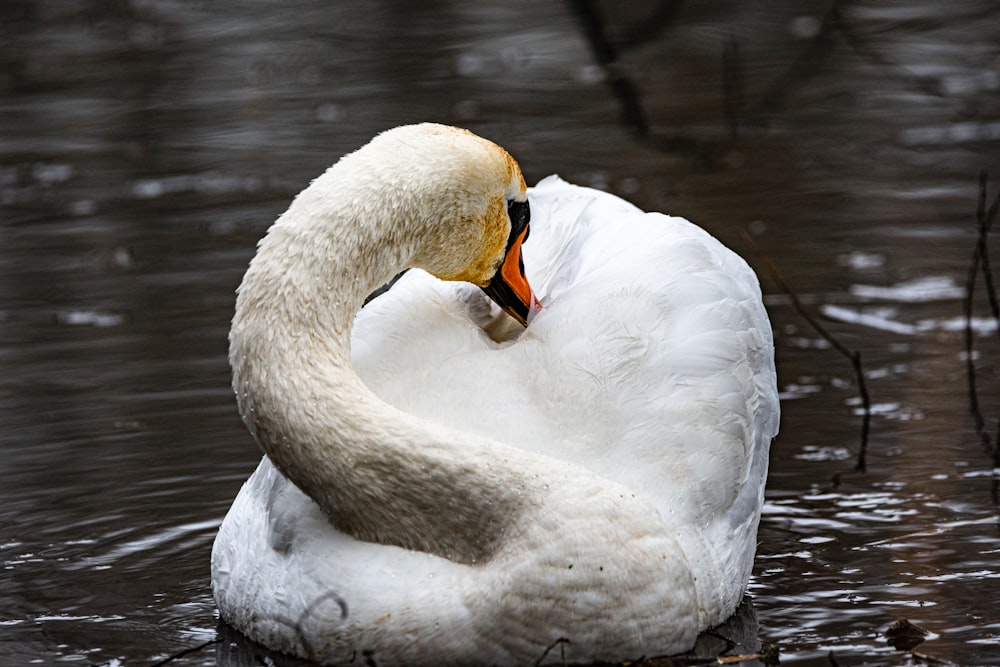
519	213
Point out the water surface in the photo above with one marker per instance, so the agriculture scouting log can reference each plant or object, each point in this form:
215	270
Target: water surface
146	146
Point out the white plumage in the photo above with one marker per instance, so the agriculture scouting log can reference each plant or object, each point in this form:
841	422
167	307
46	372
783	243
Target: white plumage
614	453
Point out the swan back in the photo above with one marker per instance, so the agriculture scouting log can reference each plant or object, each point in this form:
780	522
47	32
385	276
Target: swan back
651	364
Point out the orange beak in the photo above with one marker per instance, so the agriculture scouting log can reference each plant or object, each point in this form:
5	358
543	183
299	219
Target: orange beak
509	287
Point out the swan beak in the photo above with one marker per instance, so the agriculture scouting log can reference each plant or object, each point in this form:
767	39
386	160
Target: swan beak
509	287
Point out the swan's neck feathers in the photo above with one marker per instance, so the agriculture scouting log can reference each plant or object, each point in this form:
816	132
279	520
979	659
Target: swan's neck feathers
379	474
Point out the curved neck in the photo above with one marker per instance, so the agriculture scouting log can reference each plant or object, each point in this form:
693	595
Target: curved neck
379	474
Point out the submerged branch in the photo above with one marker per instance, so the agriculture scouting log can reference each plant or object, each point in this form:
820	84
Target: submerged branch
809	62
970	366
852	356
561	643
985	219
186	652
633	115
980	263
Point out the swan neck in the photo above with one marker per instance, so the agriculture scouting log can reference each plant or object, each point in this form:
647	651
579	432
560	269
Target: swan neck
379	474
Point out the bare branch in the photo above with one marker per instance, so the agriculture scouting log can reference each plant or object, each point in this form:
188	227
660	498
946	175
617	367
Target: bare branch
980	263
185	652
851	355
633	115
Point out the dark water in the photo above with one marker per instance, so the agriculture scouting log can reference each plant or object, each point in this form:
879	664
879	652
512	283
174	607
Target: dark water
146	146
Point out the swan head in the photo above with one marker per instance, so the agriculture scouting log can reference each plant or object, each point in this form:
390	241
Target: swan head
469	208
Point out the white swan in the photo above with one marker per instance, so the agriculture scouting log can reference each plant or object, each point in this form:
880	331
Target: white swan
597	478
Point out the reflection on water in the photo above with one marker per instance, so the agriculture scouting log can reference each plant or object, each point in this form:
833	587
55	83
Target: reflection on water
147	145
863	558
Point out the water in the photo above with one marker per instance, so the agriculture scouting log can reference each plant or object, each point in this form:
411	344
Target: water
146	146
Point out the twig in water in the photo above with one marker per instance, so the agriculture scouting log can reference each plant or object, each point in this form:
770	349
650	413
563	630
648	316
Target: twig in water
633	115
823	43
852	356
981	263
985	219
185	652
970	287
298	625
561	643
805	65
929	659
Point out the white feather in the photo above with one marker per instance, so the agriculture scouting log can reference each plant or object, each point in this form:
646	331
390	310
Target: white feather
641	398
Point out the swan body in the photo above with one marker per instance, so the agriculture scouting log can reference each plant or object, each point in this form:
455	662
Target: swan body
435	494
